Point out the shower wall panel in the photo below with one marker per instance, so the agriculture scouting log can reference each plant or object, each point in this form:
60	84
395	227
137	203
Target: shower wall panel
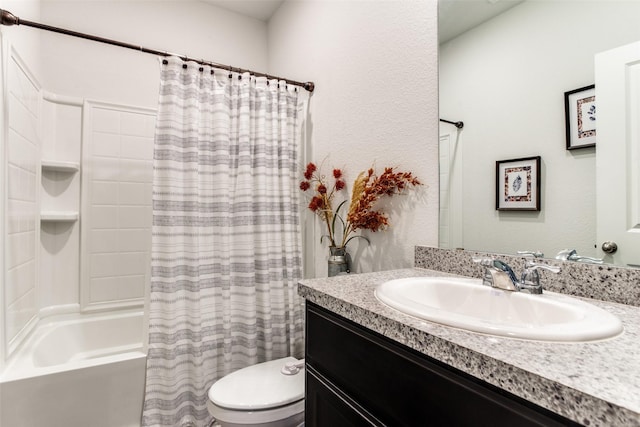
22	166
59	280
116	227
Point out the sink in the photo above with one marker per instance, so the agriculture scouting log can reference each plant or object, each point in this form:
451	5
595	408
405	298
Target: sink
468	304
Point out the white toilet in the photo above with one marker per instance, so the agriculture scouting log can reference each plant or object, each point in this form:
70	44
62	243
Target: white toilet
259	396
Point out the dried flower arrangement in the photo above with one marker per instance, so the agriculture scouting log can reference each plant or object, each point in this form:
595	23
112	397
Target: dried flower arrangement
361	215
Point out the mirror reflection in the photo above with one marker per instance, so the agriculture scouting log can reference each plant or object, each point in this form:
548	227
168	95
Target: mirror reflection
505	78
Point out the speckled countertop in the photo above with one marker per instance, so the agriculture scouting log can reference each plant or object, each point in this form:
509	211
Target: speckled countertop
595	383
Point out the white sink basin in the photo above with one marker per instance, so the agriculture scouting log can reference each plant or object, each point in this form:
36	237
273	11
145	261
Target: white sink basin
468	304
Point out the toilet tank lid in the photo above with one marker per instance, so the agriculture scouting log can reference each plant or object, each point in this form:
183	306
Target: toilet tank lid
260	386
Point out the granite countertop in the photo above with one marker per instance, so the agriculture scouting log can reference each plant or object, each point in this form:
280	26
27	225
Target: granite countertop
594	383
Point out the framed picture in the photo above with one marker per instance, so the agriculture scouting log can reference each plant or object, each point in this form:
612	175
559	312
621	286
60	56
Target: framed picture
518	184
580	117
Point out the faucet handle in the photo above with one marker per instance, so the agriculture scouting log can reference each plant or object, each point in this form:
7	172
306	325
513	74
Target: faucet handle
572	255
530	280
485	262
491	263
532	266
494	264
535	254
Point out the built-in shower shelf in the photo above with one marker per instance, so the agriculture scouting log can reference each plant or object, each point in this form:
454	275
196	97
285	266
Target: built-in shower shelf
58	216
60	166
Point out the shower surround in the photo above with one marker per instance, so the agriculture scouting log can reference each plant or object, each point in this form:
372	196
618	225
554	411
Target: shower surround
70	160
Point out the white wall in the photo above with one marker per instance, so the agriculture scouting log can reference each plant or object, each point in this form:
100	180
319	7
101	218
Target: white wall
22	210
375	68
18	222
117	176
27	43
87	69
506	80
59	281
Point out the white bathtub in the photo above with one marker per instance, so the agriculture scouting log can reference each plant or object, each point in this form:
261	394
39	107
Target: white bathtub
77	371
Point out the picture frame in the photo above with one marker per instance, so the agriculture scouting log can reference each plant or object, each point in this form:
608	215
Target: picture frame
580	117
518	184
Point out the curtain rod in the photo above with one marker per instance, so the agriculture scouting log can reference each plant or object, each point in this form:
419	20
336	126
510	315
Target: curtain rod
459	125
7	18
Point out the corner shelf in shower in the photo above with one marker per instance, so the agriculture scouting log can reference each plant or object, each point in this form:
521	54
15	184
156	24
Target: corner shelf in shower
60	166
58	216
55	167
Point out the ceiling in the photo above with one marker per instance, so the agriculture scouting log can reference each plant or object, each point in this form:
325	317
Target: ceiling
454	16
258	9
457	16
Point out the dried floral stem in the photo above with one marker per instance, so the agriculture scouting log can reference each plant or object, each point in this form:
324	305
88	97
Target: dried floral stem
367	189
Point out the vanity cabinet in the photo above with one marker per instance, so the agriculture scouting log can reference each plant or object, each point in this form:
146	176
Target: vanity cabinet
356	377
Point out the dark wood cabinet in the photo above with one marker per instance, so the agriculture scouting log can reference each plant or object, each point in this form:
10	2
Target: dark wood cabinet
356	377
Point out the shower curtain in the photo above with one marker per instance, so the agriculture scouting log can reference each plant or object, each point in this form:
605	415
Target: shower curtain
226	249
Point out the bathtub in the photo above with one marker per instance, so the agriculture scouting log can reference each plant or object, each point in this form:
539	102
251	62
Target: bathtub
77	371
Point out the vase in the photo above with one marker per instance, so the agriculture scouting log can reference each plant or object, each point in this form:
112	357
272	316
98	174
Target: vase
338	261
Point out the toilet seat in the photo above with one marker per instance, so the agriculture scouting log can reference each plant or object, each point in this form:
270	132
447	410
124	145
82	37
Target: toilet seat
293	411
258	393
258	387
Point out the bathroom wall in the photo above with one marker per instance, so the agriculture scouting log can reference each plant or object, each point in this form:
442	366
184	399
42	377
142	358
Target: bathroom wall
376	101
117	178
506	80
86	69
18	223
22	150
59	203
27	43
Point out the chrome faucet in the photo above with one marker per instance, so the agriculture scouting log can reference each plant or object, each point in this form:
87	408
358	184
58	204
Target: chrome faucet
535	254
530	280
572	255
499	275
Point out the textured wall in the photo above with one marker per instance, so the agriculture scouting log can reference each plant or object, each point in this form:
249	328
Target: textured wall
375	67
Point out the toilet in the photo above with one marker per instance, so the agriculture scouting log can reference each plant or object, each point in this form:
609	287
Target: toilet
259	396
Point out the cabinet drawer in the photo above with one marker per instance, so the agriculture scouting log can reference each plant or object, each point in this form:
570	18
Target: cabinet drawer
401	387
327	406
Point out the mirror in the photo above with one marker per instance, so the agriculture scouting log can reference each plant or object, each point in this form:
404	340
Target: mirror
505	77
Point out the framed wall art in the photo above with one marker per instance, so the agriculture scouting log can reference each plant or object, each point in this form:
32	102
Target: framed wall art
580	117
518	184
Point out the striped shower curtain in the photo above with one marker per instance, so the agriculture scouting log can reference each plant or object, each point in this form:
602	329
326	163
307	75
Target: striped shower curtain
226	249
